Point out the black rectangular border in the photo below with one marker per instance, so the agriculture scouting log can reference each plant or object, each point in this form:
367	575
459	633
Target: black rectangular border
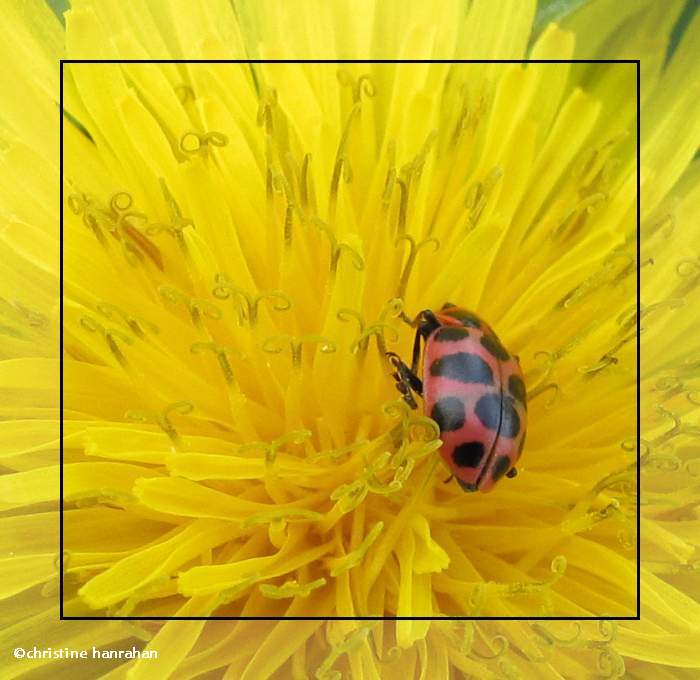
637	62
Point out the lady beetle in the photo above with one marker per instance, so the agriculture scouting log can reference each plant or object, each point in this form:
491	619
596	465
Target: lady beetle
473	389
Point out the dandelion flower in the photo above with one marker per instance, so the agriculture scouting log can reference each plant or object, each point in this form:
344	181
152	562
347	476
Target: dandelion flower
232	288
240	242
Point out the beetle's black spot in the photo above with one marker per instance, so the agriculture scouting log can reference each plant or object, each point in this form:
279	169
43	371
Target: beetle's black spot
510	420
467	486
488	411
468	455
451	334
493	346
500	467
464	367
464	317
448	413
517	388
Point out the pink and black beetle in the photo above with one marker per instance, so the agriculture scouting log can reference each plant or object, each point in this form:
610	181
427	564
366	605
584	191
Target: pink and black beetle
473	389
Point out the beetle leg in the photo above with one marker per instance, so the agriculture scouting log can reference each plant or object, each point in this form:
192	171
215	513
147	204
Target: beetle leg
512	473
408	398
402	387
406	380
416	353
405	374
406	392
449	479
